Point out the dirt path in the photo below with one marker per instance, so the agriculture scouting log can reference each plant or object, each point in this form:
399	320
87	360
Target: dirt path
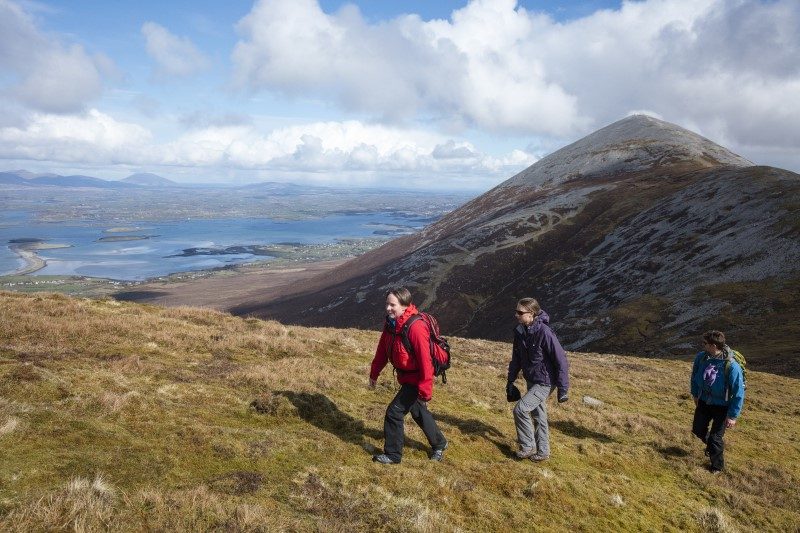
230	289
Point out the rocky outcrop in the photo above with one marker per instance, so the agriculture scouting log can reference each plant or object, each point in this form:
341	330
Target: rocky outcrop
635	238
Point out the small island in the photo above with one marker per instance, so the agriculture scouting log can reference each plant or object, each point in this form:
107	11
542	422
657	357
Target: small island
122	238
124	229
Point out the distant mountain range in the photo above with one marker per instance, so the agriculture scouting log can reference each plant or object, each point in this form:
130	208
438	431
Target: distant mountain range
30	179
149	180
636	239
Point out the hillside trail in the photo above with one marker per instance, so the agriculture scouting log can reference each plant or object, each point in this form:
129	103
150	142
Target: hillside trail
545	221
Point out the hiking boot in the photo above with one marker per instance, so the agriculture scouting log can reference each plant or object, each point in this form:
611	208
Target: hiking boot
526	454
539	457
438	455
384	459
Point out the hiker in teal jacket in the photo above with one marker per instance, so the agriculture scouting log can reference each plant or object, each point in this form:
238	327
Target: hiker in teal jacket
717	388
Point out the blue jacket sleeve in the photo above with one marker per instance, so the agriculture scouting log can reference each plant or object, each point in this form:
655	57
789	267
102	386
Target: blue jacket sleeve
516	361
694	387
735	390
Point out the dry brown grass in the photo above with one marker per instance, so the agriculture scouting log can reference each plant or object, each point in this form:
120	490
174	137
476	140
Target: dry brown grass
85	506
201	421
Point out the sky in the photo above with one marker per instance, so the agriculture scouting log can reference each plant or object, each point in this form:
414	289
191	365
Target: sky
419	94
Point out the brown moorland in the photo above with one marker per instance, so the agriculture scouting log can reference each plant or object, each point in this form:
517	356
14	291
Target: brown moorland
129	417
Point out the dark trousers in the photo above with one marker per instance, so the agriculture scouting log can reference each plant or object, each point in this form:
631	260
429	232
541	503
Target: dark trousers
393	429
715	415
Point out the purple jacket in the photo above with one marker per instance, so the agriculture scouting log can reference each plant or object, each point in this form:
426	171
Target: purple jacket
539	355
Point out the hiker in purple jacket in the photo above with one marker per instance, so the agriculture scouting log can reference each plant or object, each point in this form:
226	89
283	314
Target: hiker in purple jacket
544	366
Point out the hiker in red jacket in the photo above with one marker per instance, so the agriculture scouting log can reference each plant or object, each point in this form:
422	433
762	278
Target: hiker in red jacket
414	373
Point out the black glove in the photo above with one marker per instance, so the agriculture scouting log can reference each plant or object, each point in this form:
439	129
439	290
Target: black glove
562	396
512	392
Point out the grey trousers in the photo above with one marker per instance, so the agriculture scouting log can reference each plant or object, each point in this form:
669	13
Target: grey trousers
533	403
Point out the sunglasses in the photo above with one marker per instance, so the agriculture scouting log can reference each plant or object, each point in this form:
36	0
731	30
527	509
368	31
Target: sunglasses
520	313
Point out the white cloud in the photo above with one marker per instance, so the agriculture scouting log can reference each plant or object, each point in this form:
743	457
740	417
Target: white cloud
175	56
453	150
728	66
338	150
92	137
469	72
728	69
41	72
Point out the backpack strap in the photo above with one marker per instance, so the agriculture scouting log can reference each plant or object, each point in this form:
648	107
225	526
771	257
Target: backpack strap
405	340
728	360
404	332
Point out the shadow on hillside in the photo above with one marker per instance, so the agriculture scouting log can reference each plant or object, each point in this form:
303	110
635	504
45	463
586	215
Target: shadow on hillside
139	296
579	432
318	410
672	451
471	426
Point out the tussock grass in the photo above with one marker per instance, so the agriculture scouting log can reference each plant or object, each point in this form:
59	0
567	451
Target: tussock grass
714	521
125	417
9	426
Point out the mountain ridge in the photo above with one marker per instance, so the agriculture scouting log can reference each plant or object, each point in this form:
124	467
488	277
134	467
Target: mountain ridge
681	217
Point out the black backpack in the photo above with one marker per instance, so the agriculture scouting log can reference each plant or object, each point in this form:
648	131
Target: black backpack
440	349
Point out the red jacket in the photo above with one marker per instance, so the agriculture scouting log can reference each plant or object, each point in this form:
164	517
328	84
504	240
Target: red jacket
415	369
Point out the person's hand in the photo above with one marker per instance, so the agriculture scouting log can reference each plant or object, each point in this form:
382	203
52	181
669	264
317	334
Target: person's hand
512	392
372	383
562	396
423	403
730	422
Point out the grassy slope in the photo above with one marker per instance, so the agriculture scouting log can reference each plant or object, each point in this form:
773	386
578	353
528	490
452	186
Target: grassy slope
131	417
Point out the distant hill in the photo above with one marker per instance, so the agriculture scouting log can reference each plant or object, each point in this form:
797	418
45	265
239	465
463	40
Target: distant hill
635	239
80	181
124	417
29	175
149	180
12	178
22	177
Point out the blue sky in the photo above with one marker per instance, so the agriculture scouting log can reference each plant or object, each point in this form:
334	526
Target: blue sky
431	94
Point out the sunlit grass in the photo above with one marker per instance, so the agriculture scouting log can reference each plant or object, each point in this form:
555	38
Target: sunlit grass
128	417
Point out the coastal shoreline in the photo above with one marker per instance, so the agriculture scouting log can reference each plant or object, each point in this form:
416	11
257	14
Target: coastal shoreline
221	288
33	262
28	252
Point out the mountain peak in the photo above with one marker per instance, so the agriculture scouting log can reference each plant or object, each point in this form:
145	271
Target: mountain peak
635	143
148	179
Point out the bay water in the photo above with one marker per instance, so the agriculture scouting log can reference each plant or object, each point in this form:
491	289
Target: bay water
95	251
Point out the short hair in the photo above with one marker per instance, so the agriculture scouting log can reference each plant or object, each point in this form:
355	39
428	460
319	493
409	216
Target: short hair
530	305
402	294
717	338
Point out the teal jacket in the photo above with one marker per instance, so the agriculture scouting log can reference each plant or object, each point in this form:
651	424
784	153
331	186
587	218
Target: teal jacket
712	384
